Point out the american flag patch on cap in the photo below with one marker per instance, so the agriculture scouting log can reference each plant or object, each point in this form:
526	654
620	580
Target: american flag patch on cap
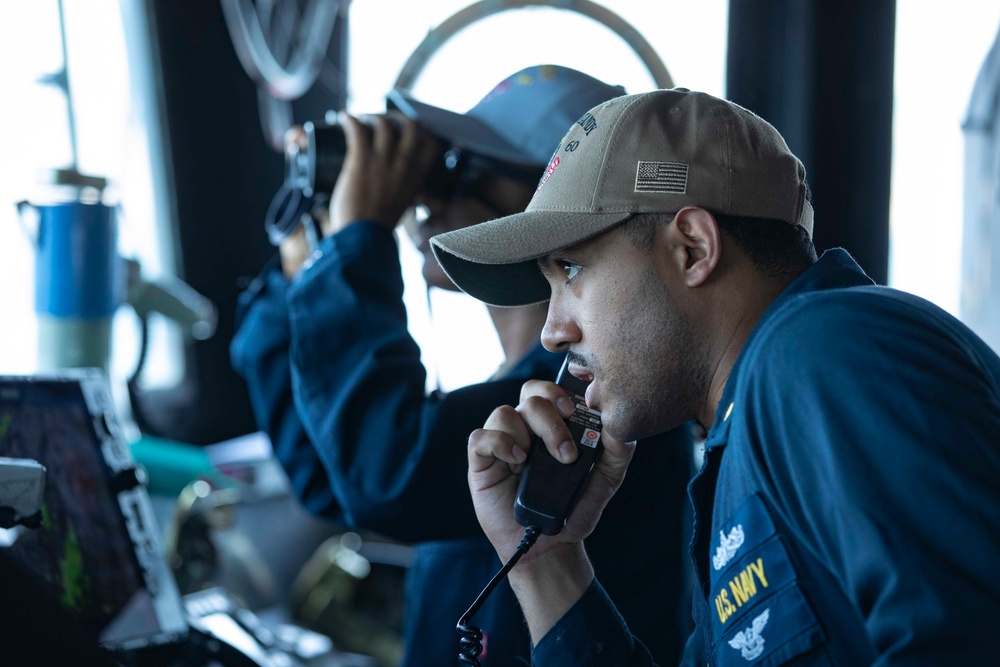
661	177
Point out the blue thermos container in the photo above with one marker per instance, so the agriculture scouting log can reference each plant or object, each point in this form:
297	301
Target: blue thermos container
79	281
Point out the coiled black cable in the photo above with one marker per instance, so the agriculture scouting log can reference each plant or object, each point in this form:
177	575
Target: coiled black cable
471	637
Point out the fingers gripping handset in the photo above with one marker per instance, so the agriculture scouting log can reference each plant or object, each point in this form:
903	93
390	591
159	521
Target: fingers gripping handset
549	489
547	492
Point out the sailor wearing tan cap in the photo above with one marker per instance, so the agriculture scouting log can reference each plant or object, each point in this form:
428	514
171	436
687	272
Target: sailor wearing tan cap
848	509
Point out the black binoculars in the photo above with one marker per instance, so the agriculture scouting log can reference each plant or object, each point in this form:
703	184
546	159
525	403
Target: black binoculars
312	168
313	165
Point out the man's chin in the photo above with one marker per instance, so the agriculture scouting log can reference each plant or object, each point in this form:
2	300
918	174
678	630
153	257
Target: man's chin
617	430
630	431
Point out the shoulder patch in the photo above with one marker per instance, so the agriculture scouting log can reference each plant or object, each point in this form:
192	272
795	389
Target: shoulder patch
756	604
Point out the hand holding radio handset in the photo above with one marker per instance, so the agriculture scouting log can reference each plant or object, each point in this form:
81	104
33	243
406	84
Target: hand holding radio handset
556	567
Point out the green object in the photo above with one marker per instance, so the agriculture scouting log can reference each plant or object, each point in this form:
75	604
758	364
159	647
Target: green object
172	465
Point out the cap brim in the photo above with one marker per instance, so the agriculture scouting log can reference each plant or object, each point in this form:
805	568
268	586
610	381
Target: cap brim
459	129
496	261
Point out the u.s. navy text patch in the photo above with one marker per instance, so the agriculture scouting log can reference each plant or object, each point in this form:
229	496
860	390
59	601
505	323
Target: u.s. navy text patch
757	607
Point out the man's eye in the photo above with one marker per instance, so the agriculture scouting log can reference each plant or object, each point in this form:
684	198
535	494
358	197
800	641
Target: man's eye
571	270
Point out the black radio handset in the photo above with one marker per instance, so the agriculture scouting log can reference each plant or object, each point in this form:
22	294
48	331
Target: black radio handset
545	498
549	489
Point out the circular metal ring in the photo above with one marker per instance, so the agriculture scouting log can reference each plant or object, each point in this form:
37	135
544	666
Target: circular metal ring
463	18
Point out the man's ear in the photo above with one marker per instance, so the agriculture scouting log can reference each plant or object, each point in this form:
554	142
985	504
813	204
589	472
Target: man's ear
694	234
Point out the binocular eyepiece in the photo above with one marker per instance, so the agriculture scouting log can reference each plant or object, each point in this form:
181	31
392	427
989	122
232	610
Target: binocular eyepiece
313	164
311	169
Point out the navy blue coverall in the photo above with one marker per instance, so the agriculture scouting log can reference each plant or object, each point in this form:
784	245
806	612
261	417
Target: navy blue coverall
848	509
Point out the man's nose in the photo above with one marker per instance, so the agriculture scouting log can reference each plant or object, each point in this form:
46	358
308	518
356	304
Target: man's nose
560	330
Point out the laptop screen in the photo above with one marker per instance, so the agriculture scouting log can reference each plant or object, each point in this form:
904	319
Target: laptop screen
98	552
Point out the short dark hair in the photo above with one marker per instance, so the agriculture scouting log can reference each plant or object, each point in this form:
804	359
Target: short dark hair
641	228
774	247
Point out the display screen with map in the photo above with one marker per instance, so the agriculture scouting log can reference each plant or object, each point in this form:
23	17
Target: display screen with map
97	552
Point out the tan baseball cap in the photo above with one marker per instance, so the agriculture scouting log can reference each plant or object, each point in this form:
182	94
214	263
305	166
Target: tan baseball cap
654	152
